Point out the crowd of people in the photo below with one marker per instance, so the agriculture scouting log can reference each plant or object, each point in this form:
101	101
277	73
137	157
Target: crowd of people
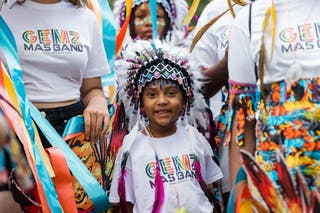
221	117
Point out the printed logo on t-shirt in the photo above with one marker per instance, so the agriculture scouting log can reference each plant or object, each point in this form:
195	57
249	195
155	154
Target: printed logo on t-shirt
224	37
173	169
300	38
52	40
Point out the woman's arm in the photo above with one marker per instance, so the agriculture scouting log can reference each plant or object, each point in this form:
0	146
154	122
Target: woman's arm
96	114
217	75
234	154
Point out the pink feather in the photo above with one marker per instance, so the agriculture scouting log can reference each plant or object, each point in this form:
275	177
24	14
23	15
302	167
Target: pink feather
159	191
122	191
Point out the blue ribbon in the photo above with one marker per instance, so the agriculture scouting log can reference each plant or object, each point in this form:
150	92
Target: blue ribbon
74	125
7	43
109	40
153	10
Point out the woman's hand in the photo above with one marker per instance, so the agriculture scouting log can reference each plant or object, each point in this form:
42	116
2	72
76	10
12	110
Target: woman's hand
96	114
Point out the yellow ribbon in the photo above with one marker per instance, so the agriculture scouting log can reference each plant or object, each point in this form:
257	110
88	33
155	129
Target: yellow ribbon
191	12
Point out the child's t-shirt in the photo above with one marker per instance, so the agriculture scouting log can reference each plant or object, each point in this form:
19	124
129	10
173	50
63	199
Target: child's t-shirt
176	154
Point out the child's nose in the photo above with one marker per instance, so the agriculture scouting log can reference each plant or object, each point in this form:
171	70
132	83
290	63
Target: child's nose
147	20
162	99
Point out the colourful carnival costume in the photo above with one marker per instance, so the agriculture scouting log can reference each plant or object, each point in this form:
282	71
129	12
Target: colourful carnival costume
274	81
170	173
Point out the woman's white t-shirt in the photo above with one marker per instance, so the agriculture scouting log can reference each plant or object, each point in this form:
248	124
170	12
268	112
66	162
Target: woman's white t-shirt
297	41
58	45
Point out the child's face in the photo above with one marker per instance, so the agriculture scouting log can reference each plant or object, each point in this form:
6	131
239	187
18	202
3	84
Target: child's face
162	103
143	23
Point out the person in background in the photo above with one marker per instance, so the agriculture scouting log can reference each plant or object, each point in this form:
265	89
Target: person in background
274	88
213	61
63	59
170	16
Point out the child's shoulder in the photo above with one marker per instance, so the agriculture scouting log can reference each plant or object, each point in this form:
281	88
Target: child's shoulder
197	140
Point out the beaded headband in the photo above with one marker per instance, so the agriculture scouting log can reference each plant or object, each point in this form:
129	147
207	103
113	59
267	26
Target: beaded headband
141	64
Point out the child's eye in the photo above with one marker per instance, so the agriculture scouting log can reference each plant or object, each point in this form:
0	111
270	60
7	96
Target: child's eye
160	16
139	16
172	93
151	94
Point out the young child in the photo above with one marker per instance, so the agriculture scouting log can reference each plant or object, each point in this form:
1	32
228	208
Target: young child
170	16
165	164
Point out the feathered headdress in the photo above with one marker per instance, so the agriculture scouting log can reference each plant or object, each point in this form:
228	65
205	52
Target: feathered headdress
175	9
143	62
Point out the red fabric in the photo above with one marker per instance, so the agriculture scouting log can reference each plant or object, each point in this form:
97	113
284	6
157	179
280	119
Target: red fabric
62	180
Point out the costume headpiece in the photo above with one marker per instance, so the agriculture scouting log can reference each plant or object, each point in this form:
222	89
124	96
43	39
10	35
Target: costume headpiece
141	63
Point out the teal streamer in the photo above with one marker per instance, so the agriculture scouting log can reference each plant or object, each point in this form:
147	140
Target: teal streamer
94	190
74	125
8	45
109	40
153	9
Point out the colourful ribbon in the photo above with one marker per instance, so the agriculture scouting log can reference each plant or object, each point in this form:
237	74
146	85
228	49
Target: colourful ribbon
109	39
108	30
153	10
122	32
8	46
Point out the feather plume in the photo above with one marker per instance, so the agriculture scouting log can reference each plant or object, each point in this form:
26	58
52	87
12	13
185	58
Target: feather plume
262	182
285	179
293	196
231	8
122	184
205	187
159	190
204	29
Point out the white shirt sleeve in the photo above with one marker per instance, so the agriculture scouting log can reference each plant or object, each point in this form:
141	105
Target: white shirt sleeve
209	169
212	171
240	61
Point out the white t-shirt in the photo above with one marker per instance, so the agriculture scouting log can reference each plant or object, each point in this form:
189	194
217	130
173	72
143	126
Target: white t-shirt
176	154
297	41
211	47
208	51
59	45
